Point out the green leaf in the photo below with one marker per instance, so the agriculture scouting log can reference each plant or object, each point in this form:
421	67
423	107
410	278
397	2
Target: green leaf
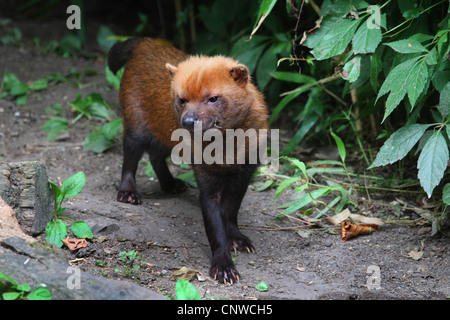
18	88
305	198
81	230
308	122
40	84
23	287
149	171
431	57
399	144
407	46
446	194
91	105
293	77
340	145
266	65
366	40
417	81
55	127
352	69
97	142
263	185
111	128
262	286
284	102
264	10
112	78
73	185
296	163
376	65
96	106
432	162
444	101
248	53
102	38
189	178
56	231
9	79
4	276
396	83
10	295
22	100
332	38
285	184
186	291
40	294
57	193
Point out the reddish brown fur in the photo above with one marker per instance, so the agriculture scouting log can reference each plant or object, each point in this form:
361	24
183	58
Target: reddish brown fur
163	89
145	91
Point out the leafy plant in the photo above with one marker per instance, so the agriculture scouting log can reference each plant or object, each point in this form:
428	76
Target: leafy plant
186	291
56	229
114	79
102	138
92	105
394	64
16	291
310	192
262	286
12	86
55	127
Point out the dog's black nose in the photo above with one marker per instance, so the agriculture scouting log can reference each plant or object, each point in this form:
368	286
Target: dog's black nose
189	120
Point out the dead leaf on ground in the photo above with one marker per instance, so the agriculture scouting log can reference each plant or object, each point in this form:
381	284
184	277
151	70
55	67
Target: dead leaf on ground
416	255
184	274
350	230
355	218
75	244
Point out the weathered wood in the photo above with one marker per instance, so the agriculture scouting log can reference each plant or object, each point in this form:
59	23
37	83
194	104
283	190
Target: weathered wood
24	187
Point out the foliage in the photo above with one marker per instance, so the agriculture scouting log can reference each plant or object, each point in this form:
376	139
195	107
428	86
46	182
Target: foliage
262	286
56	229
186	291
12	86
16	291
393	54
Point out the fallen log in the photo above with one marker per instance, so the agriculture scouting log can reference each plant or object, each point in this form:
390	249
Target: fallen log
24	187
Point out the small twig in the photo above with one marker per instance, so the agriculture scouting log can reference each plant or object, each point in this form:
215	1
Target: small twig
293	218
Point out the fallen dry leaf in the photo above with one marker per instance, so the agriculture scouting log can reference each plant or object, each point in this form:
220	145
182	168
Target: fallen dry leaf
350	230
184	274
356	218
416	255
75	244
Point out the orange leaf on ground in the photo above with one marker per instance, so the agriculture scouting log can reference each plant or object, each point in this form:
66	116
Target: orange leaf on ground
75	244
350	230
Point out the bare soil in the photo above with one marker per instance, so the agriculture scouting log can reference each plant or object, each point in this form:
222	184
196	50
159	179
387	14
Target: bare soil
167	231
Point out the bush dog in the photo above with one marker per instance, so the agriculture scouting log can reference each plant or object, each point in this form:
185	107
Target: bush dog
163	89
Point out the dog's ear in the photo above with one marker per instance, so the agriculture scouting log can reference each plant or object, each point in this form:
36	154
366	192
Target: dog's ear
240	75
172	69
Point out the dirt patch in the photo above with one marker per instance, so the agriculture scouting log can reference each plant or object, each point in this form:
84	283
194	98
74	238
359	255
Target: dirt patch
167	232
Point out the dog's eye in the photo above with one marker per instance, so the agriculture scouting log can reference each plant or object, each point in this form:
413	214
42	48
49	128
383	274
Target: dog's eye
181	101
213	99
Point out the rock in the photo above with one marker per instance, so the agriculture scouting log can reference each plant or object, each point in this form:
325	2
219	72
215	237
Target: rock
9	227
40	263
24	187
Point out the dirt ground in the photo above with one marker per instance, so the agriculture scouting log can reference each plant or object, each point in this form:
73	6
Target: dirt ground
167	231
